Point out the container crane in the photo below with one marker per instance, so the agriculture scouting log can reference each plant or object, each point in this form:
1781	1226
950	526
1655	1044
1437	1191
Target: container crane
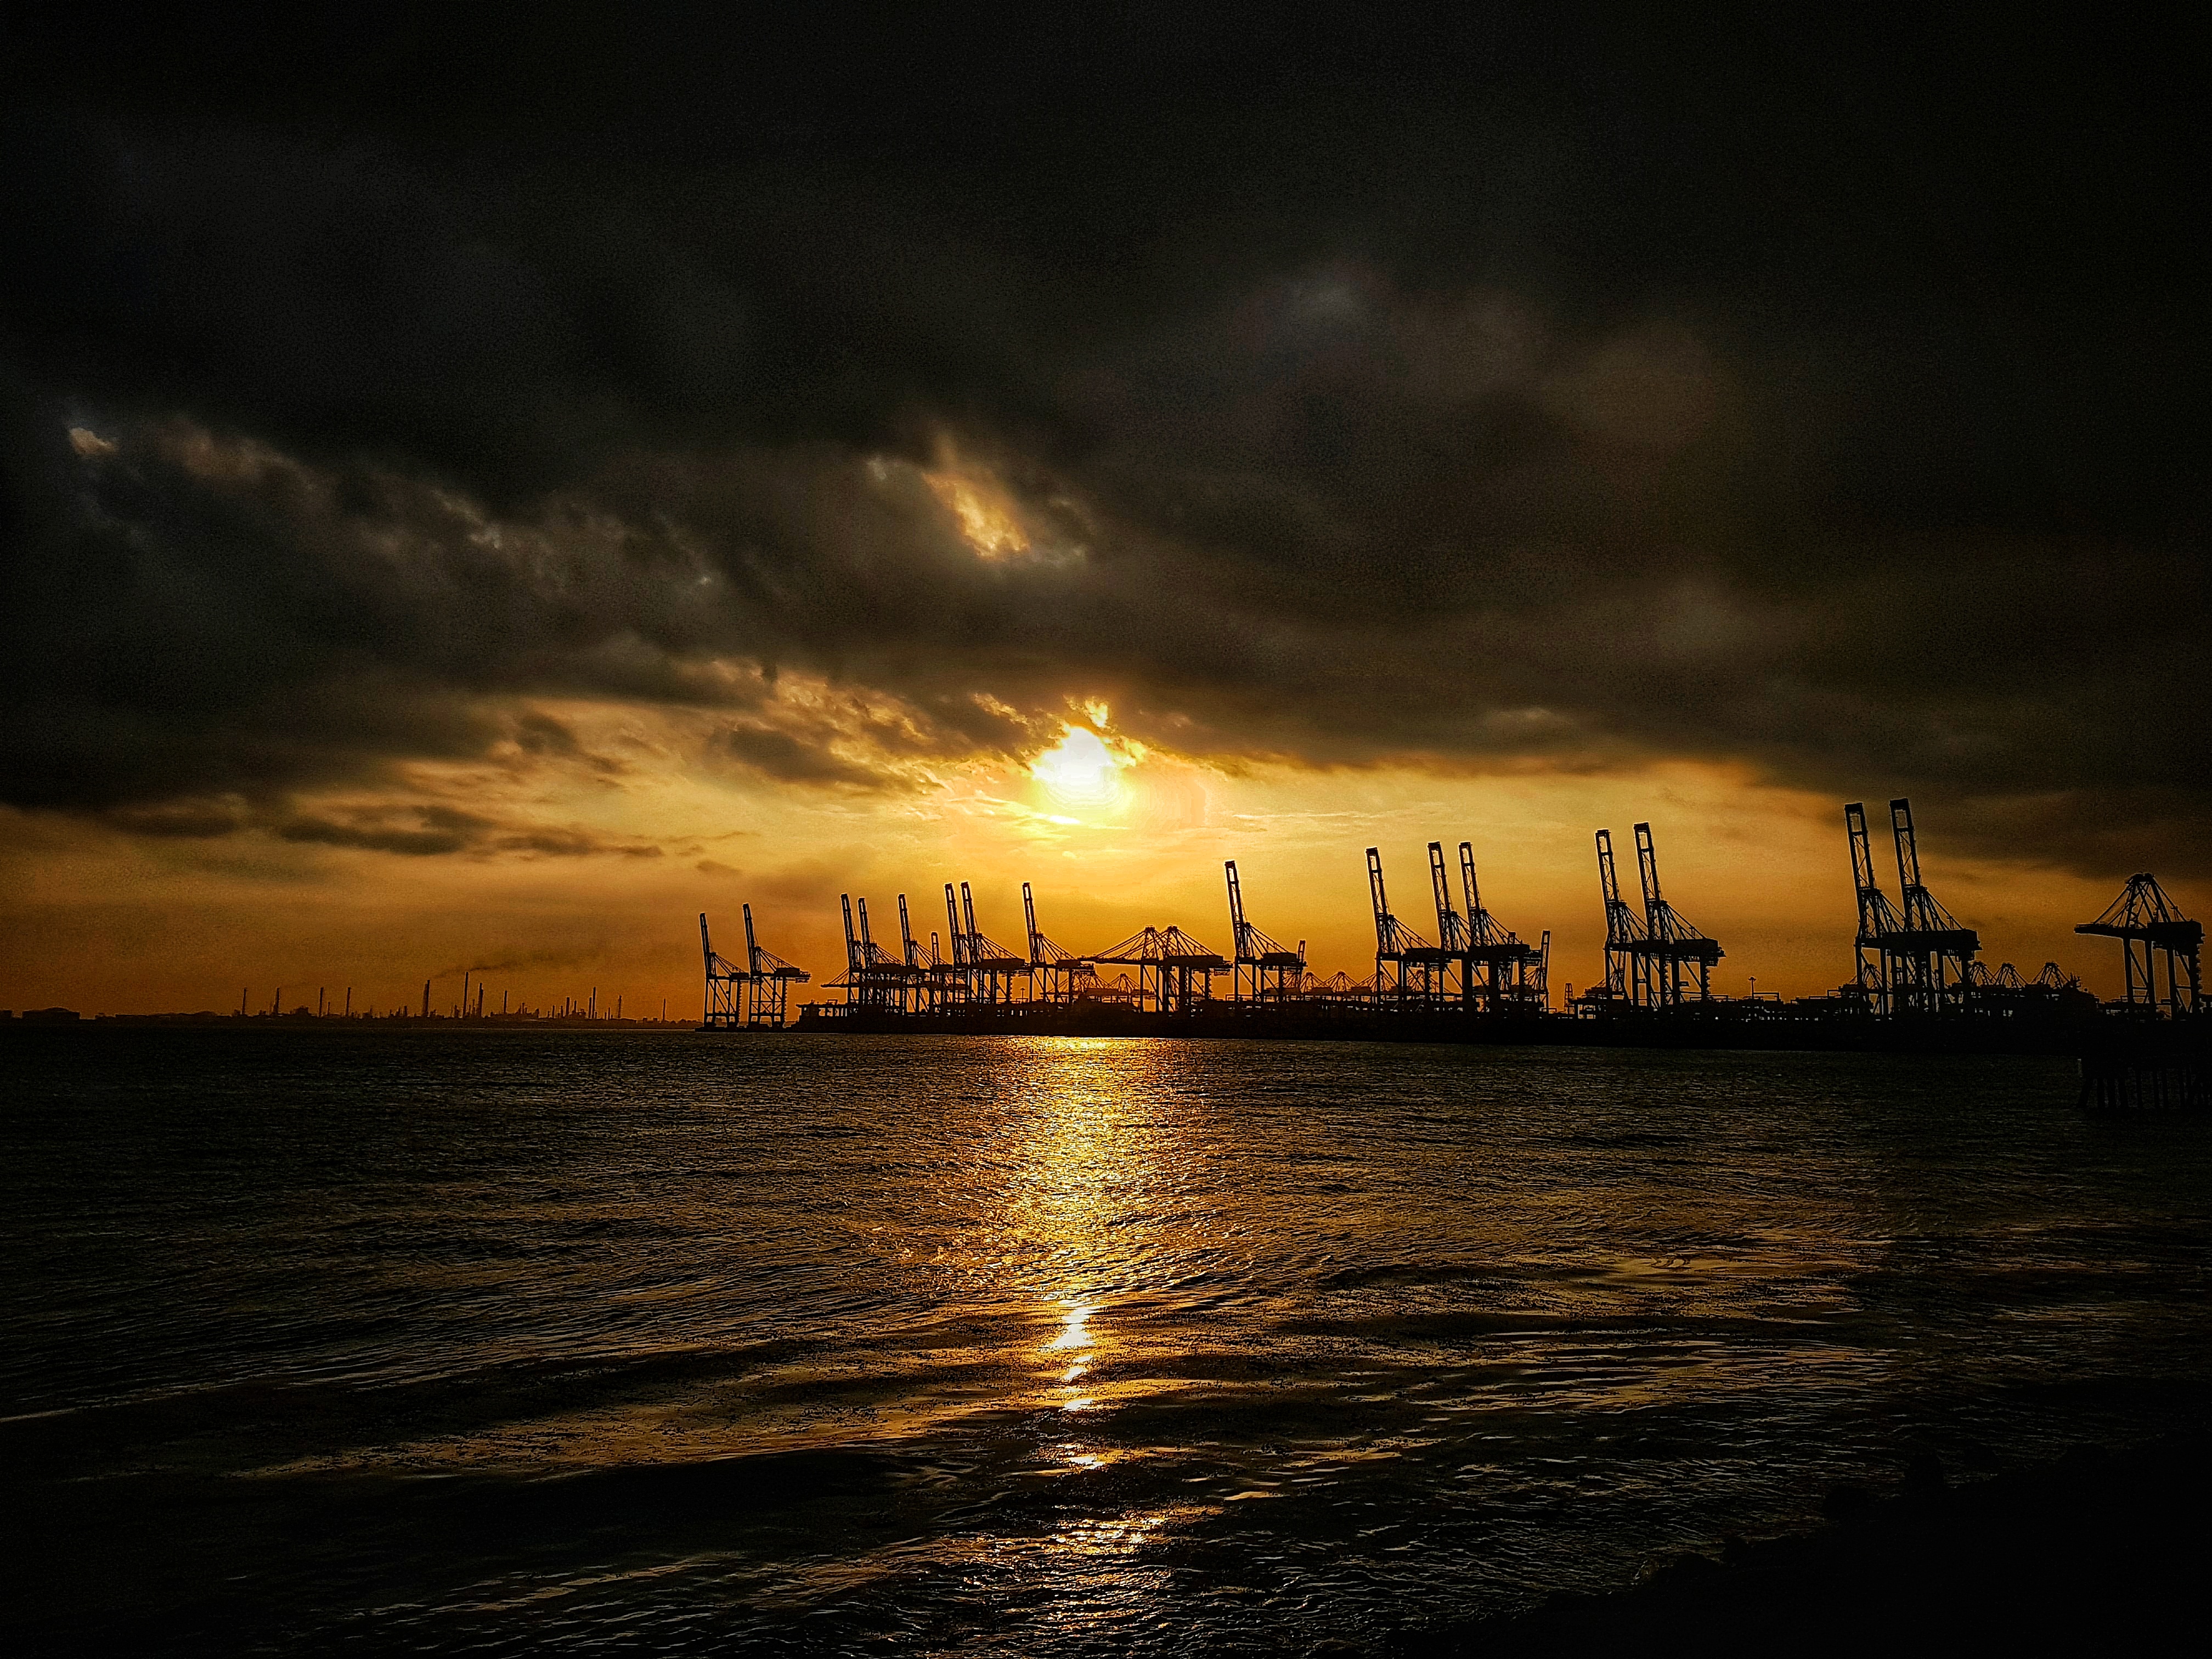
2148	924
1929	956
1671	942
1260	964
1396	943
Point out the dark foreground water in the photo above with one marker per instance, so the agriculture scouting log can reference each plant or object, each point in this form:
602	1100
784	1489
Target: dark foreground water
498	1341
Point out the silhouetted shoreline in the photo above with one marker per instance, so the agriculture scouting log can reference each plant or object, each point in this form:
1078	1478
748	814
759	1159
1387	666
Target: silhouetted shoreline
2100	1551
348	1022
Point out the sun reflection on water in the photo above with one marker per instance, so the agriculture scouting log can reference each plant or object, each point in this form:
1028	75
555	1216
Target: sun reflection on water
1086	1177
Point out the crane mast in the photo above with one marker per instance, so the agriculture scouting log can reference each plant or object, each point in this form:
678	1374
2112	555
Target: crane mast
852	952
909	953
1623	967
1878	918
1471	892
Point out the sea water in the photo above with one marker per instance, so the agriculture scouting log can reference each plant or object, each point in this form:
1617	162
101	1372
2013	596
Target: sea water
503	1341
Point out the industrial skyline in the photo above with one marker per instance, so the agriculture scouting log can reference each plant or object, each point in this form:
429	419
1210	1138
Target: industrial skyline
1910	960
1629	942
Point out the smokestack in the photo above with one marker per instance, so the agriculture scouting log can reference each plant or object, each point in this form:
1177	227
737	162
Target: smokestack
426	998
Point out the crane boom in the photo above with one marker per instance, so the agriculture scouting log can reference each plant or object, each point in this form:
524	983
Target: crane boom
1908	849
1383	940
952	928
1863	879
1608	882
1647	877
1446	916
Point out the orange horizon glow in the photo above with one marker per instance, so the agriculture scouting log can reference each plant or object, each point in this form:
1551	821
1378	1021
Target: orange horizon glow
1112	836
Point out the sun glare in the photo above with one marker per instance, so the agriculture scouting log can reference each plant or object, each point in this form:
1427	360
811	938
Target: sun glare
1081	772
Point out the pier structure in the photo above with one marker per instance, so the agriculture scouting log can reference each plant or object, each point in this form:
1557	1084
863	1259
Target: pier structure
2148	926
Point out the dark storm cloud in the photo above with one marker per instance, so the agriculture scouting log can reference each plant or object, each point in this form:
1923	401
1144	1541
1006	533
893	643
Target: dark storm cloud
429	831
421	831
1824	397
780	755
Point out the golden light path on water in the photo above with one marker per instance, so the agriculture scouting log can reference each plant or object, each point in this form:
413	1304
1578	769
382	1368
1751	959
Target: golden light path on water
1090	1166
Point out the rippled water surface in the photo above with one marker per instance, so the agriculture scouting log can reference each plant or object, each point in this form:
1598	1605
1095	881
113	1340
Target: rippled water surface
503	1341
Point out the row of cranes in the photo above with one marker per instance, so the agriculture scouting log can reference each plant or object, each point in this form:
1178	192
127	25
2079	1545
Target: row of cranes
1913	959
1651	960
1477	964
1174	972
757	994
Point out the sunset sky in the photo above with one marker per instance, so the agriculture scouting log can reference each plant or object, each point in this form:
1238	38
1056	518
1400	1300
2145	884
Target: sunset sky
480	488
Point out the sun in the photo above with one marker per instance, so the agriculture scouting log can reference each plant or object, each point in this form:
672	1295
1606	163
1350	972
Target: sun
1081	772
